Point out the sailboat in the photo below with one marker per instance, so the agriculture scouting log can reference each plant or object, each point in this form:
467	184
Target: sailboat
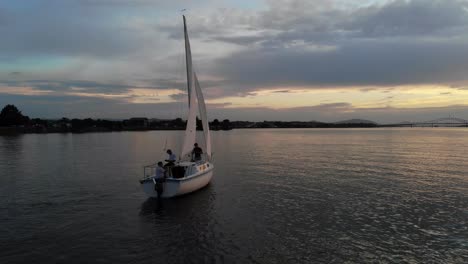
186	175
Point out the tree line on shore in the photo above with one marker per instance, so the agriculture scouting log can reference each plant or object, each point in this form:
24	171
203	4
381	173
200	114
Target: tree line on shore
12	120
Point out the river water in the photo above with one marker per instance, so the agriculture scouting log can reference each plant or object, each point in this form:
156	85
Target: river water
277	196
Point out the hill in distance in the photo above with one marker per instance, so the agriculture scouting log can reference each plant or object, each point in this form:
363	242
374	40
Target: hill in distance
356	121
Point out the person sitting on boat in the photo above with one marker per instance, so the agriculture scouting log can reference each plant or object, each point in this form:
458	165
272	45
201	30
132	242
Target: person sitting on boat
196	152
171	159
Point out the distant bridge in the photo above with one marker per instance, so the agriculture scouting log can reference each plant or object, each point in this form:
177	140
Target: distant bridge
440	122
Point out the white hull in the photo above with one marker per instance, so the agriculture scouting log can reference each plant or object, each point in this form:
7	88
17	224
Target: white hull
176	187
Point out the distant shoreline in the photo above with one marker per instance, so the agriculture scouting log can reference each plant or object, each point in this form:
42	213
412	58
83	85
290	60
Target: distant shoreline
12	121
33	130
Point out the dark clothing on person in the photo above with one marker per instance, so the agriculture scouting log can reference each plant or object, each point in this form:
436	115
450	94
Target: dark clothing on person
197	153
169	164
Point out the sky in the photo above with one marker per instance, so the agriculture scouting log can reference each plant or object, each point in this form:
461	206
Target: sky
382	60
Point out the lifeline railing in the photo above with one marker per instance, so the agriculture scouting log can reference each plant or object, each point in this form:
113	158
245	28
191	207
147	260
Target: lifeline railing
149	170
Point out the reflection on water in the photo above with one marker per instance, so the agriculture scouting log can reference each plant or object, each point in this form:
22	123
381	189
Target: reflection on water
198	201
152	206
290	195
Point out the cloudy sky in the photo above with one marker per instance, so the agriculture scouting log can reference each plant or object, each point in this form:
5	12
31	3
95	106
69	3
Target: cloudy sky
383	60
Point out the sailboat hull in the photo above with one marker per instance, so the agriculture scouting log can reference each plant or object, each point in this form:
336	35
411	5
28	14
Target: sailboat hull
177	187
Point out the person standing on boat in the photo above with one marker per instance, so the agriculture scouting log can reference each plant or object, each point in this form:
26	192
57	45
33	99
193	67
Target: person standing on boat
160	171
196	152
159	178
171	159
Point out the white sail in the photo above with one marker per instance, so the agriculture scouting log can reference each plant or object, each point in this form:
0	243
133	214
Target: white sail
203	116
191	128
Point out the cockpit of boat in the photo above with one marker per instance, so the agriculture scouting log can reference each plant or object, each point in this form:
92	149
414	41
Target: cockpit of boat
181	169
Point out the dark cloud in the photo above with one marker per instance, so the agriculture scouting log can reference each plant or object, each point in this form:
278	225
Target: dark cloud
167	83
241	40
97	87
63	86
410	18
319	22
180	84
47	106
179	97
401	42
358	63
463	88
282	91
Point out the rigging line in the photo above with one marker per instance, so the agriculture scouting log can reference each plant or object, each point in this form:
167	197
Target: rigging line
165	145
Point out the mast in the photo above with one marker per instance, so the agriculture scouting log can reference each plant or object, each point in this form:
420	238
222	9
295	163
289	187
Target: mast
188	60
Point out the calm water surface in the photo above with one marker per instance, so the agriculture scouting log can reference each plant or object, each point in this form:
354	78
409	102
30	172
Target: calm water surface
277	196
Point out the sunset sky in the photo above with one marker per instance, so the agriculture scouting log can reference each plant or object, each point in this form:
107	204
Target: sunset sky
386	61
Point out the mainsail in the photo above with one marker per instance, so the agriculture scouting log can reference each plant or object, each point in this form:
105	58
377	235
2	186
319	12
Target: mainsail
191	128
194	94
